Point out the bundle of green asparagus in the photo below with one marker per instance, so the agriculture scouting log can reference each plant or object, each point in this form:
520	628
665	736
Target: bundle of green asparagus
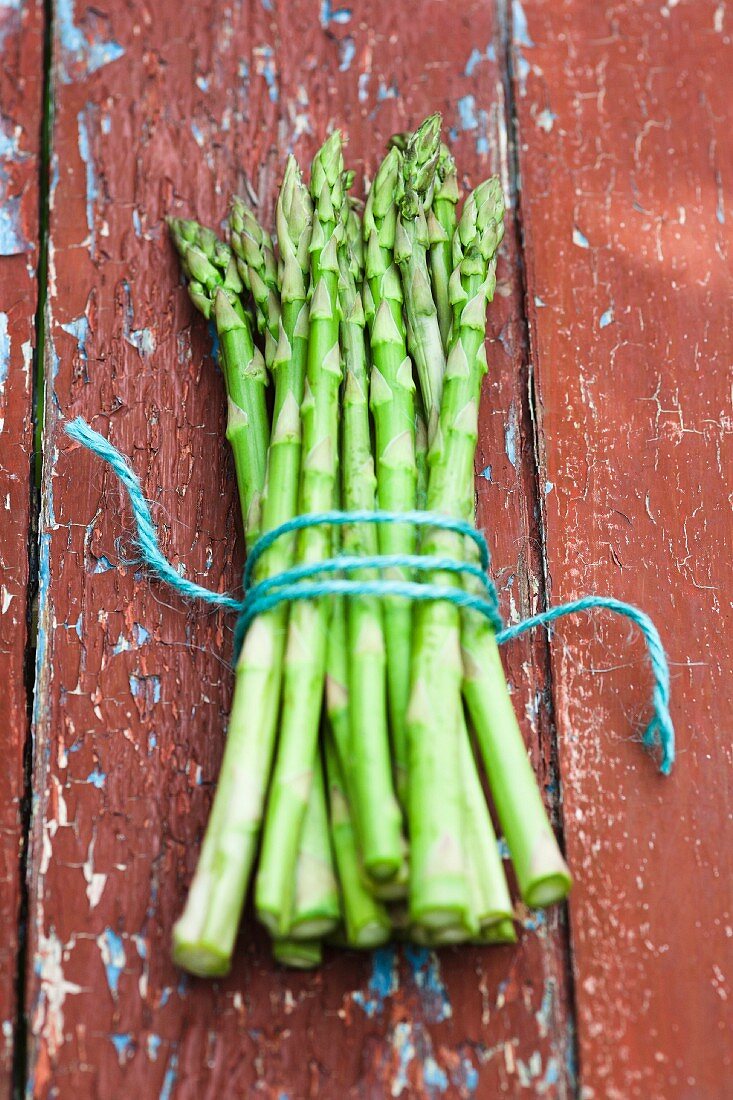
349	789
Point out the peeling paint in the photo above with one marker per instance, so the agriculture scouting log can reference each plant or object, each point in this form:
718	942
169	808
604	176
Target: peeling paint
425	972
383	982
85	152
114	958
82	51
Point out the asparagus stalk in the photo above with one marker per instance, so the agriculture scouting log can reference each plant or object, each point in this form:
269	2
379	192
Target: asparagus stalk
441	224
366	921
393	409
378	817
491	902
214	287
411	253
204	936
541	871
421	456
439	897
257	267
305	658
489	892
316	908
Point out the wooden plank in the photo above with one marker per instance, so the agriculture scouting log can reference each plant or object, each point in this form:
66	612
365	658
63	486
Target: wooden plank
21	82
626	162
167	109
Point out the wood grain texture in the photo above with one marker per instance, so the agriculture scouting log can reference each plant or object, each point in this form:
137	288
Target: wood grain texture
164	109
626	165
21	81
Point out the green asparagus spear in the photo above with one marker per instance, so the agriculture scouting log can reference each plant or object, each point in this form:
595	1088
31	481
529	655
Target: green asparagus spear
441	220
305	658
204	935
366	922
377	813
411	253
258	269
214	287
392	403
316	908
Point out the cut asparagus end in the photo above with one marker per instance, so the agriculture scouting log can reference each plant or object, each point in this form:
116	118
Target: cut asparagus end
548	889
502	931
313	928
372	934
383	870
205	960
297	954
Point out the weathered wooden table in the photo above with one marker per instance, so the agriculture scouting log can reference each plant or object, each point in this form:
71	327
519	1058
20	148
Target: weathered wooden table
605	464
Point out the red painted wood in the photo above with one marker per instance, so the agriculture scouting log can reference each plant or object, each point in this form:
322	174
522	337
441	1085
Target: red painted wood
626	163
21	34
167	108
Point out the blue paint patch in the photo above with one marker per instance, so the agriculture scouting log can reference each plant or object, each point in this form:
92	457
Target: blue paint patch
80	53
136	223
425	970
12	241
113	957
4	349
519	25
546	120
466	1075
106	124
142	339
363	86
549	486
606	318
467	112
170	1077
476	57
486	473
122	1043
97	778
329	14
103	565
387	91
523	70
267	5
79	329
347	52
538	302
382	982
152	742
510	438
85	153
153	1042
76	627
203	83
267	70
580	238
146	686
198	135
139	634
534	920
165	996
434	1078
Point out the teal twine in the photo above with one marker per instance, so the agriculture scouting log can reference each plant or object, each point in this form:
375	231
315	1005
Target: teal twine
295	584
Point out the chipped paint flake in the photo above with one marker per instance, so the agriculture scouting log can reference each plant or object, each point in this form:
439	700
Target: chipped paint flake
48	1021
112	950
82	52
383	982
579	238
